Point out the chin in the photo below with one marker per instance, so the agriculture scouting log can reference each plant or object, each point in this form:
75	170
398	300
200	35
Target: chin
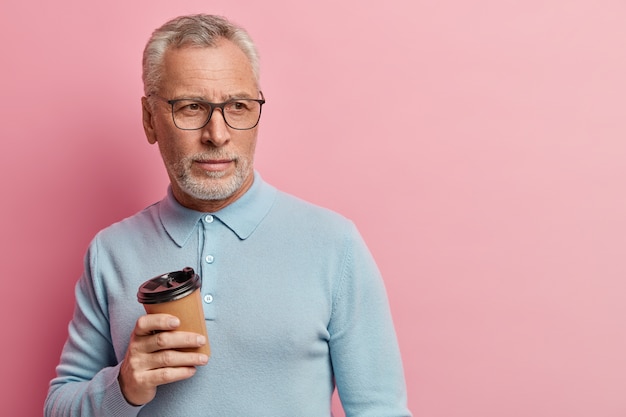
210	190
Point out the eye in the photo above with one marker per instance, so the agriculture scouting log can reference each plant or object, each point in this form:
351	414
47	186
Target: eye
189	107
237	106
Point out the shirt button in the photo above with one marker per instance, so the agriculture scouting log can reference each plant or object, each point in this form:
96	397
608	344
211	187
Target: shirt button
208	218
208	298
209	259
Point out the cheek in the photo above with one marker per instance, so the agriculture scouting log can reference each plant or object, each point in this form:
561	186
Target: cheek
170	151
172	142
248	146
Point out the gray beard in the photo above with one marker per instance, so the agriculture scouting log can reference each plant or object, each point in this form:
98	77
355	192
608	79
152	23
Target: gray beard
212	187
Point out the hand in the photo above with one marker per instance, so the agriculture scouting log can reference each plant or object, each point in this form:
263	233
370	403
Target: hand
151	359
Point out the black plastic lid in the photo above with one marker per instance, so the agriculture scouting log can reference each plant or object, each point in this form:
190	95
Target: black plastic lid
169	287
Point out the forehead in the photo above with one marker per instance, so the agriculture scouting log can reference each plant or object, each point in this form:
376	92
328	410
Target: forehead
208	72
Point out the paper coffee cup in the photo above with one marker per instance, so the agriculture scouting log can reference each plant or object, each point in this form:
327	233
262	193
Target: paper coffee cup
177	293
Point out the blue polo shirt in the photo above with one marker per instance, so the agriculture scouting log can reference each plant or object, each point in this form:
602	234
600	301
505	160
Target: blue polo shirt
293	301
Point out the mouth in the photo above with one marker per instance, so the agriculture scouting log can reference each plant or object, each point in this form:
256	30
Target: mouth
214	165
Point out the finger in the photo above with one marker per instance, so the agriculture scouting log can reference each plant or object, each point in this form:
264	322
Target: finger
174	340
175	359
151	323
167	375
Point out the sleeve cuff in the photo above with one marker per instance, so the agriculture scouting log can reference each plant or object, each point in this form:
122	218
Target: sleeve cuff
114	402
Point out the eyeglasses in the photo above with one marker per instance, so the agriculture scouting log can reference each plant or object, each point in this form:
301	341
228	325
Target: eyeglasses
193	114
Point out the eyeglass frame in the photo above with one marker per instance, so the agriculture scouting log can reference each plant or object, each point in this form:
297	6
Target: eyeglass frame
213	106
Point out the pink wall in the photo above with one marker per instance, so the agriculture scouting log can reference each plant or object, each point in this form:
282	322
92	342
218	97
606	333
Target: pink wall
479	146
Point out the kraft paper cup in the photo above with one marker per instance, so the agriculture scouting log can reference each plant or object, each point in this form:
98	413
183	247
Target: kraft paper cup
177	293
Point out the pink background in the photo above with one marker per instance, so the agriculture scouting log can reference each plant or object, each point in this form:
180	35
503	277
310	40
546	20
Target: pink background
478	145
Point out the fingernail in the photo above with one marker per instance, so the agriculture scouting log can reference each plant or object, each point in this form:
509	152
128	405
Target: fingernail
201	340
204	358
174	322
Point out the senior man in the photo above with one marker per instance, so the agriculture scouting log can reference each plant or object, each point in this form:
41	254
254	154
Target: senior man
293	302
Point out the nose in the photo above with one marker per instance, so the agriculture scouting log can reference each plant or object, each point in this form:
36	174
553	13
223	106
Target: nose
216	131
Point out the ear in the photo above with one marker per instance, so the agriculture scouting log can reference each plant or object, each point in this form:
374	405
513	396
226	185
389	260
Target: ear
148	121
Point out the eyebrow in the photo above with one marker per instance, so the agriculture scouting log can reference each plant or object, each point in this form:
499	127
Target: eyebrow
240	95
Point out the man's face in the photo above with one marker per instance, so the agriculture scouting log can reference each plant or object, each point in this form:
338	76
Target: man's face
211	167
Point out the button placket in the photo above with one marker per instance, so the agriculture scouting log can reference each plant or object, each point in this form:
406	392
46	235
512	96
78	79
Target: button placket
208	258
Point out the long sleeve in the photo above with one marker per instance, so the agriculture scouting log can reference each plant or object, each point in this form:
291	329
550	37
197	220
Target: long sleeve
86	384
363	345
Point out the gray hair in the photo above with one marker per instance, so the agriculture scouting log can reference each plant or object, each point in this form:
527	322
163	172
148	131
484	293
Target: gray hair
192	30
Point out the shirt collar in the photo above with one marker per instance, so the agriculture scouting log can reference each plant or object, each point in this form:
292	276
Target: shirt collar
242	216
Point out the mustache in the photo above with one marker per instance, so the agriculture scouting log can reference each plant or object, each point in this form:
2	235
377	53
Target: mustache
216	155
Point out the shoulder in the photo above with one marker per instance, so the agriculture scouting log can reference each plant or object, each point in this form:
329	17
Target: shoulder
302	215
133	226
301	207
